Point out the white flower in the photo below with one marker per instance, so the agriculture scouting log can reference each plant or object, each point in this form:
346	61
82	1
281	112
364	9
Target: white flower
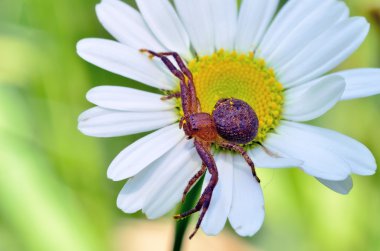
304	41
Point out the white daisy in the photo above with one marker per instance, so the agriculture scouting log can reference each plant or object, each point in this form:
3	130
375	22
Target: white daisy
283	80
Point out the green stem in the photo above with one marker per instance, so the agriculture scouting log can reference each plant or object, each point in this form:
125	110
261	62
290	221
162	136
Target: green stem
181	225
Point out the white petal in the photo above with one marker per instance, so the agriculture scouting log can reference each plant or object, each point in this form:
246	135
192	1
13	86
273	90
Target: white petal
325	52
254	18
126	25
318	161
324	15
313	99
128	99
92	112
198	22
224	16
360	82
168	187
135	192
144	151
157	188
287	18
247	209
100	122
340	186
125	61
165	24
265	160
220	204
131	198
353	152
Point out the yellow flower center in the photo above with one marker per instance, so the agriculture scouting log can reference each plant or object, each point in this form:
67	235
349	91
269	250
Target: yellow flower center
240	76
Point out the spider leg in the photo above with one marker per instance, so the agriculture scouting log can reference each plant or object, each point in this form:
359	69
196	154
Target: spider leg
241	150
179	61
193	180
203	150
193	96
266	150
185	98
194	105
172	95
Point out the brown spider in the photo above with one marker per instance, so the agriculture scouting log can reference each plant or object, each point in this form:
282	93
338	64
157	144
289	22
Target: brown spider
232	122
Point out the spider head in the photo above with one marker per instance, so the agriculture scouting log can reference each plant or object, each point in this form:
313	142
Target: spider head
235	120
200	125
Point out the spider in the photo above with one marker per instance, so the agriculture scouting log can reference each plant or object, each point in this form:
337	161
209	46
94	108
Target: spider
231	123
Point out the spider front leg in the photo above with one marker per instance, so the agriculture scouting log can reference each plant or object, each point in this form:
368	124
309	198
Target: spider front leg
185	92
176	57
188	92
243	153
192	92
203	150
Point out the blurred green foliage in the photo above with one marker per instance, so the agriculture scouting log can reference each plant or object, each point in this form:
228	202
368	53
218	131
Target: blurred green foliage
54	194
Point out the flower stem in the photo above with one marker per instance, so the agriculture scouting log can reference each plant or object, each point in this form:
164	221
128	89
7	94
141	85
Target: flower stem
181	225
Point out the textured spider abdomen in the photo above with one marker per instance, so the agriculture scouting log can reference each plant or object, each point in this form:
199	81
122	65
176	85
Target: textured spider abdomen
235	120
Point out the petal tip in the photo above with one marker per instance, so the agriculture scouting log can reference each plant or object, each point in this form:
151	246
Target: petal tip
83	45
90	94
112	174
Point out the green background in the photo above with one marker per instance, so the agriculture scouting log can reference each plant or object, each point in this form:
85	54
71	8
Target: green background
54	194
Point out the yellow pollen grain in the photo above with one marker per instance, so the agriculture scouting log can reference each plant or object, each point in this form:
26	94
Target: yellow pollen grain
241	76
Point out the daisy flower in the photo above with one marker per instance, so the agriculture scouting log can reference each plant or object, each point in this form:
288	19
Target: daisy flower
277	63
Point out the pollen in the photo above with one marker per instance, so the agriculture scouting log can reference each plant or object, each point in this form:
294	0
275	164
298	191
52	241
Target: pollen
241	76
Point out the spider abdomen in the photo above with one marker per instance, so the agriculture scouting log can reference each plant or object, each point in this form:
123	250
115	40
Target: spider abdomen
235	120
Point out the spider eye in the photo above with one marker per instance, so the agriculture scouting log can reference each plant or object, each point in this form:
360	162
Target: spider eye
235	121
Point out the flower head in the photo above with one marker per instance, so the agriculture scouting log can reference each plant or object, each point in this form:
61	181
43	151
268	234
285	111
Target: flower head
275	63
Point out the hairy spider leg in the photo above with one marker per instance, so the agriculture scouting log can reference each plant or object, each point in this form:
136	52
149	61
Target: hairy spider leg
203	150
193	180
186	102
172	95
192	96
243	153
178	59
266	150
